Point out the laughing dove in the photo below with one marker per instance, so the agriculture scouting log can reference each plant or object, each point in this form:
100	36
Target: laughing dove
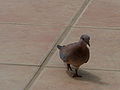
75	54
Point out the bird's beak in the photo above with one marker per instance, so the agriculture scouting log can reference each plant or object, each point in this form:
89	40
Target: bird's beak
88	44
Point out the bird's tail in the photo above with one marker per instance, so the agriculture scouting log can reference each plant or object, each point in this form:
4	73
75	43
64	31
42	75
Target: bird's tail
59	47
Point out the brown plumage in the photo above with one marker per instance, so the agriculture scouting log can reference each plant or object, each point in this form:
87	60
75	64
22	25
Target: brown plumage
76	53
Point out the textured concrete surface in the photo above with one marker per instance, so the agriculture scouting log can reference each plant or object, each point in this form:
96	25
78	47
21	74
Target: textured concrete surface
31	29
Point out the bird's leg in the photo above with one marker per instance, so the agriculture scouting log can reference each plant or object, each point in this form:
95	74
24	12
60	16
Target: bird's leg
69	67
76	73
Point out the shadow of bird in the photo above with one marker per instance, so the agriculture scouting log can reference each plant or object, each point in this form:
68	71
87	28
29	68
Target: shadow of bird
90	77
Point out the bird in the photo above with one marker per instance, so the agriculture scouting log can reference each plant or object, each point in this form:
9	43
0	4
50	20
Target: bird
76	53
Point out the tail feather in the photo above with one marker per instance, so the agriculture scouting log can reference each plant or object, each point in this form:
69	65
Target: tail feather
59	47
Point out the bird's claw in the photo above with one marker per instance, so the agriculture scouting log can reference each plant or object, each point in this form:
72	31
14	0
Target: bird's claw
70	69
76	75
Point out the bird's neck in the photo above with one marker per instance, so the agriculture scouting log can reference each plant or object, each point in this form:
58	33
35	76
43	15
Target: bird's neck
82	43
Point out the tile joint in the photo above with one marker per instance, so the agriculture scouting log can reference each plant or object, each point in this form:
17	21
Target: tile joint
93	27
15	64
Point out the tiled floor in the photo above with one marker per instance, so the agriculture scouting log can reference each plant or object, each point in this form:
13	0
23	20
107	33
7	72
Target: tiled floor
105	47
26	44
101	13
40	12
15	77
31	29
57	79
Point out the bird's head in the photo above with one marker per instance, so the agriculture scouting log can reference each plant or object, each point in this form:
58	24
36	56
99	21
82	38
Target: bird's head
85	38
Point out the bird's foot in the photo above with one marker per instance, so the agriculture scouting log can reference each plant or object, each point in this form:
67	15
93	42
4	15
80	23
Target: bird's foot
69	67
76	75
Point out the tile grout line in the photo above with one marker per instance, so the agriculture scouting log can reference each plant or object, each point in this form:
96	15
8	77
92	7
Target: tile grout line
27	24
60	39
99	69
85	6
15	64
102	69
93	27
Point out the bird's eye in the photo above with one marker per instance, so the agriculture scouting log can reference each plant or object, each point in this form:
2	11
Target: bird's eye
83	39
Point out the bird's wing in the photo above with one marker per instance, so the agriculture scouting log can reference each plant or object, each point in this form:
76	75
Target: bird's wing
81	54
64	56
67	50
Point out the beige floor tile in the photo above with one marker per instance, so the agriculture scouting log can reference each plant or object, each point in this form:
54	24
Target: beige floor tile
58	12
26	44
58	79
101	13
15	77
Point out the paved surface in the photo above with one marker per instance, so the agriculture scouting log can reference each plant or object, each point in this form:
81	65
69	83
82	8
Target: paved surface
31	29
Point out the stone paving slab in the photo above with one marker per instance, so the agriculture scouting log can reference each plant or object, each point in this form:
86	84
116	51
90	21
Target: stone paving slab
104	48
50	12
15	77
101	13
58	79
24	44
